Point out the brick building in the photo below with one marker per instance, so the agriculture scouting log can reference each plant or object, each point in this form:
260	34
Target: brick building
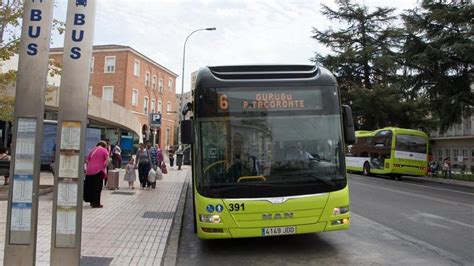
126	77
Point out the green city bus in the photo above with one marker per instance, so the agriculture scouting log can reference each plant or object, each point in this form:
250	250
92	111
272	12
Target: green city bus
389	151
267	151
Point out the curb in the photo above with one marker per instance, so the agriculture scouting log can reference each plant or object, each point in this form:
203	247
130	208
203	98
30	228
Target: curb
172	243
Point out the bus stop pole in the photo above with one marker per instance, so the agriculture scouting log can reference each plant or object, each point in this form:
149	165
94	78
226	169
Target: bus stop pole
71	134
22	212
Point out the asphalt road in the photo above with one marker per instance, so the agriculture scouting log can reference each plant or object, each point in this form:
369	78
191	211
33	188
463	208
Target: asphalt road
393	222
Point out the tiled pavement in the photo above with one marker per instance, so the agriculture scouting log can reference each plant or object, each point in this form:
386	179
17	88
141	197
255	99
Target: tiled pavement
131	229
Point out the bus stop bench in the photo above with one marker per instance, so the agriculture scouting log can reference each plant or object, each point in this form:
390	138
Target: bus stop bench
4	168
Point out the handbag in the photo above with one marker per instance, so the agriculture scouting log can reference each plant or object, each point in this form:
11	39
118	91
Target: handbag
159	174
152	175
163	168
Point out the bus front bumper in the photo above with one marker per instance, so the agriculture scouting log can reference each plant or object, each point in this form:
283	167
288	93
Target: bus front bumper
206	232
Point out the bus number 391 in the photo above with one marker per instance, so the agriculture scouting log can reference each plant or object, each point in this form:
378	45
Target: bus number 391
235	207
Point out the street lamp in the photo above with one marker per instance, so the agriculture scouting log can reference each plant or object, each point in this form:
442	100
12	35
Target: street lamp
182	80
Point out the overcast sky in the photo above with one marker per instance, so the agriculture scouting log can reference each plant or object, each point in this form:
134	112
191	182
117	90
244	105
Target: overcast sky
248	32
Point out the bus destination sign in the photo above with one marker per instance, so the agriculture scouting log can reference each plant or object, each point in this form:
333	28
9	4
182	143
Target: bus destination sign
276	100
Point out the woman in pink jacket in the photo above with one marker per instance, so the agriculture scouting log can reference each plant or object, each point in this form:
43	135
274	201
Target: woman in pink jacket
96	172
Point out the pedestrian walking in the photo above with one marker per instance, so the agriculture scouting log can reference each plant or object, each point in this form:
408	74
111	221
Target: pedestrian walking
130	175
144	165
5	157
109	160
171	156
447	169
96	172
117	156
159	156
154	162
179	158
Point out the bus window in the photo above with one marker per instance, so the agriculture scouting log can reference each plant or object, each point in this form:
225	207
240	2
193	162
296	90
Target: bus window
408	143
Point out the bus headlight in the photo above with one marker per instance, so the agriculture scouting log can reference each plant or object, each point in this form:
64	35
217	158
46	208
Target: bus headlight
340	210
340	221
215	219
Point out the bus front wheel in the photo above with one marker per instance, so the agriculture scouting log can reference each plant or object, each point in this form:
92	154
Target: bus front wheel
366	170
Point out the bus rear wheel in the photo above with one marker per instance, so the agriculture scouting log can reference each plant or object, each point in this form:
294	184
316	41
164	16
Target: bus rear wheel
366	169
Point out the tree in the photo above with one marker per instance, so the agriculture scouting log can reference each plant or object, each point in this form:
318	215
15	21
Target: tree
364	59
10	16
439	57
10	22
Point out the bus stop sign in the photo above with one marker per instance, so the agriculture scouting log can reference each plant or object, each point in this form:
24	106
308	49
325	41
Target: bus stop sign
155	120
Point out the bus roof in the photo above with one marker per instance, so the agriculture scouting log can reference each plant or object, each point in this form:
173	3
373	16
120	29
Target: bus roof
396	130
268	75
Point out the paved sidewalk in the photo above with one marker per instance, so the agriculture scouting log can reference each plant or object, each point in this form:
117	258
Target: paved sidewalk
442	180
131	229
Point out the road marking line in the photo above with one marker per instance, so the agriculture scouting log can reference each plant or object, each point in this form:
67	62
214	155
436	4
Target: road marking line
420	243
434	217
398	182
416	195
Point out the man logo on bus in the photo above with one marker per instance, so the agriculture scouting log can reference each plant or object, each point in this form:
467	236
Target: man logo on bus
269	216
81	3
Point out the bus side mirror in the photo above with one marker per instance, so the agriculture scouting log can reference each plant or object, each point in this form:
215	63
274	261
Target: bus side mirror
349	132
187	132
186	108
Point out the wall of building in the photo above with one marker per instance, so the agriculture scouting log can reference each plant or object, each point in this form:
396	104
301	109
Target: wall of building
457	143
153	93
117	79
124	82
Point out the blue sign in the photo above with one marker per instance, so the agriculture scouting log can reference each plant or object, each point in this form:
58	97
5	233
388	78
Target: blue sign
219	208
81	2
210	208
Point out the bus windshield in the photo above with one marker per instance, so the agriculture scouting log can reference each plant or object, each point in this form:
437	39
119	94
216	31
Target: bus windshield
269	153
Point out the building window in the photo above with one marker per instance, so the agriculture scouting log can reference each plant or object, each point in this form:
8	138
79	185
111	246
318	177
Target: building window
92	65
160	107
455	154
152	107
136	68
168	107
170	84
109	64
160	85
145	105
167	136
147	79
153	82
447	153
440	155
108	93
134	97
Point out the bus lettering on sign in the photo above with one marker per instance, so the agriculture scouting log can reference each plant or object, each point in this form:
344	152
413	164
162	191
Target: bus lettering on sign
252	100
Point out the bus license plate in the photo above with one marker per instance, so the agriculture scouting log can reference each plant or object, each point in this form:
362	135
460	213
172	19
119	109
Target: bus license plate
275	231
